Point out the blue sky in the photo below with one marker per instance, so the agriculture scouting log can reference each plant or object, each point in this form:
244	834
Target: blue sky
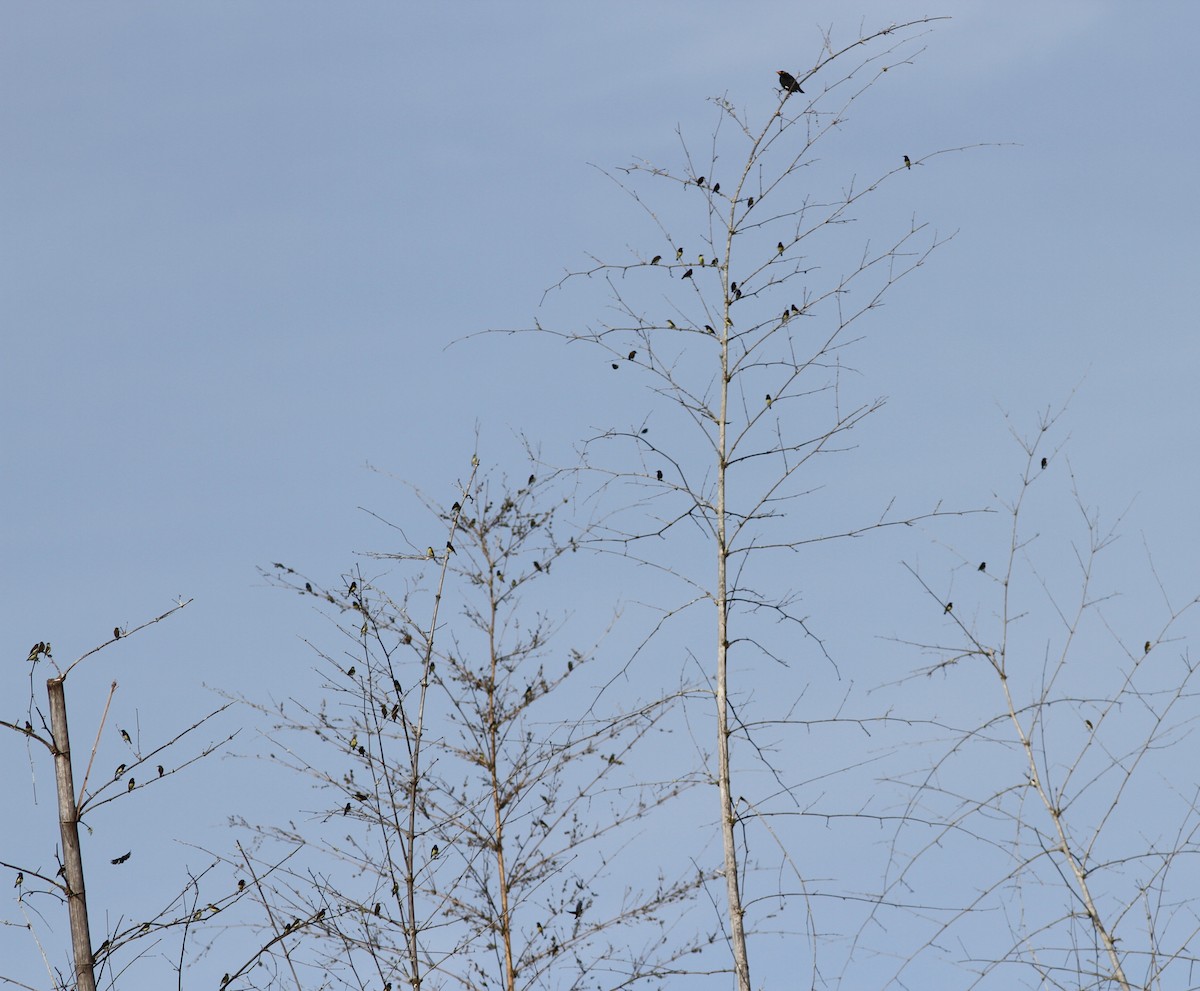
240	239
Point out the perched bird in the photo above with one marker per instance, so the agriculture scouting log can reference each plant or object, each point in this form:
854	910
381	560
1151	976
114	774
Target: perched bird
1045	461
700	181
132	785
1146	648
124	857
716	187
1088	724
353	587
713	263
907	162
671	324
346	810
160	770
578	913
787	82
429	552
687	274
769	400
700	260
750	203
434	852
679	254
116	633
350	673
982	566
615	366
949	606
21	878
119	771
449	547
540	928
632	355
656	259
795	309
779	248
537	566
308	587
125	737
37	648
658	474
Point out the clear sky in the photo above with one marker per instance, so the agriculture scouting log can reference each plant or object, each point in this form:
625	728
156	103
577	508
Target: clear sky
238	239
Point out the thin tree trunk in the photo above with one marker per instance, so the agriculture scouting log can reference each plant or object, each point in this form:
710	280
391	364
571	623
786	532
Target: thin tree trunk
737	930
68	824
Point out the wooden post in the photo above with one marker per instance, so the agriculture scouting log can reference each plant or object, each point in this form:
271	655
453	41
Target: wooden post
68	824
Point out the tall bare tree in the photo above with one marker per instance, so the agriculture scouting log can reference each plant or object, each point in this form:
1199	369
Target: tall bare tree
738	314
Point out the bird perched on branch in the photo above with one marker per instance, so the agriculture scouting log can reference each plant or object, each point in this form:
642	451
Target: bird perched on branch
788	82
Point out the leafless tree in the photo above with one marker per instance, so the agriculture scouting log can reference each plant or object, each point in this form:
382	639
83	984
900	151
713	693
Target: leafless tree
738	313
478	799
1069	809
125	942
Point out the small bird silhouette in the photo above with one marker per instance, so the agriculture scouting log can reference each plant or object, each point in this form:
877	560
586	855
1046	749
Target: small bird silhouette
982	566
353	588
949	606
658	474
1146	648
687	274
656	259
1045	461
779	248
116	633
434	852
679	254
787	82
700	182
907	162
769	400
124	857
131	786
125	737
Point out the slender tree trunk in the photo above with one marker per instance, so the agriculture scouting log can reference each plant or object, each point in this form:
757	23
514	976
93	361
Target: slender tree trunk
68	824
737	930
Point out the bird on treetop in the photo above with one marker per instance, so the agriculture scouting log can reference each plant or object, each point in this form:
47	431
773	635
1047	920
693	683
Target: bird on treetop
788	82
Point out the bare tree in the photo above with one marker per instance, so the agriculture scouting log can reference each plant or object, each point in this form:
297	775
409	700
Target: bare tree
48	729
1070	808
482	797
738	315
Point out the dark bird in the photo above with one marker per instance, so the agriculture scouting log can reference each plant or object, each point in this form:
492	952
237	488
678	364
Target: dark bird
1146	648
434	852
378	908
37	648
1045	462
346	810
116	633
353	587
350	673
795	309
537	566
700	181
716	187
982	566
1088	724
132	785
769	400
713	263
679	254
540	928
632	355
687	274
160	770
125	737
779	248
787	82
949	606
21	878
124	857
241	884
308	587
907	162
119	771
656	259
750	203
615	366
578	913
449	547
658	474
